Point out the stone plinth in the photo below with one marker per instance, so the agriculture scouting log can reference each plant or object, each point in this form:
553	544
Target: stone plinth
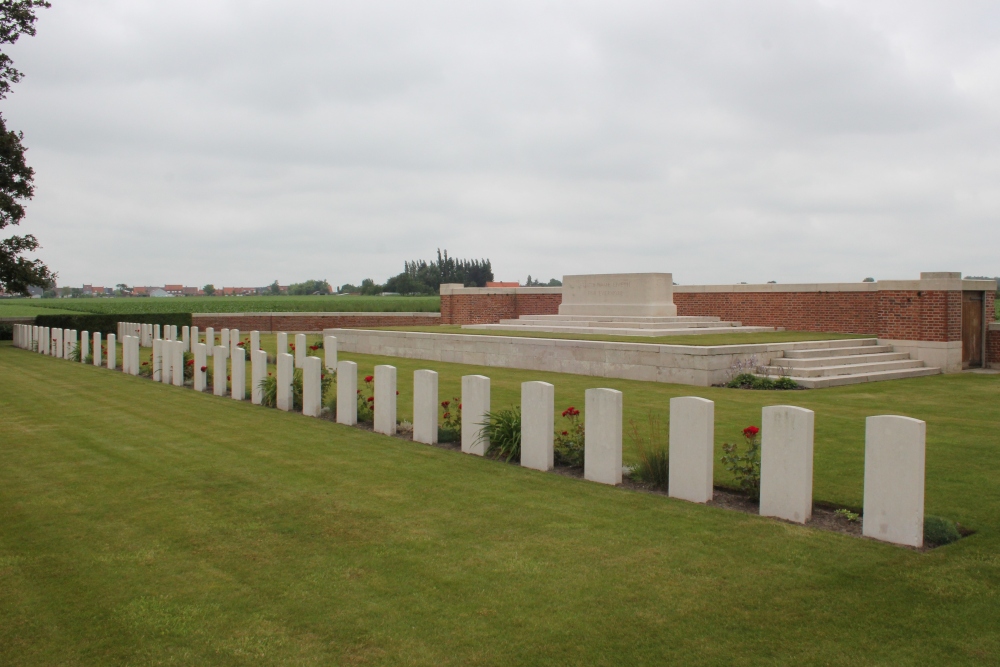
312	388
602	459
692	448
537	425
284	391
648	294
330	352
425	405
347	393
258	371
385	400
475	412
894	480
238	373
786	463
219	371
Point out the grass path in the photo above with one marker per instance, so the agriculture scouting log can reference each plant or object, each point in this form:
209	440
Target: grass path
146	524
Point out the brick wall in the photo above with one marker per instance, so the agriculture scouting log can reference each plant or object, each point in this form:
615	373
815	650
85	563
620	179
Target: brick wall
311	322
920	315
993	345
840	312
491	308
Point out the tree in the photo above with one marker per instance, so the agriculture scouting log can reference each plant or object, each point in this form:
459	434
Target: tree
310	287
17	17
275	288
209	289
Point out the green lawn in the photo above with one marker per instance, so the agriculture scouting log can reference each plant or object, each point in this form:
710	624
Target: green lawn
232	304
696	339
28	308
147	524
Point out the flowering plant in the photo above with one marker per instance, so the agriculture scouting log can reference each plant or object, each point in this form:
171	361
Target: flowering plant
569	440
366	401
745	466
451	421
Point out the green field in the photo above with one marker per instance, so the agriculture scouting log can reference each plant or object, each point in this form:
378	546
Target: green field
147	524
696	339
229	304
29	308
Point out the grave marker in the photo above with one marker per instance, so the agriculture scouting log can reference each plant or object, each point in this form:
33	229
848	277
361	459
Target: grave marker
239	374
894	479
258	371
692	449
347	393
786	463
312	388
475	409
602	459
219	382
385	400
537	425
285	373
425	404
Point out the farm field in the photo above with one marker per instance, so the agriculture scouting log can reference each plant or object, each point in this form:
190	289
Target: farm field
230	304
695	339
149	524
28	308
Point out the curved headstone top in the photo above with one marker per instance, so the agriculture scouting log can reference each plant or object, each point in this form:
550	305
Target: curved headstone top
627	294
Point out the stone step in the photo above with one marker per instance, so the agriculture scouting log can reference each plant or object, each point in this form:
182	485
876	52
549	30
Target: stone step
839	361
846	369
873	348
620	318
858	378
610	331
622	325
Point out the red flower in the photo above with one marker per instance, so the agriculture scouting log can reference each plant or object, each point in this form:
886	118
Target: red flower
228	378
190	362
205	368
459	406
145	363
359	391
570	412
445	404
397	393
371	399
750	432
447	415
314	347
565	432
369	378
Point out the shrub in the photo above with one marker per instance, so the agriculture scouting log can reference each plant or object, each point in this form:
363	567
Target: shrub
450	429
74	353
268	391
503	428
751	381
366	401
108	323
853	517
939	531
745	466
654	459
569	442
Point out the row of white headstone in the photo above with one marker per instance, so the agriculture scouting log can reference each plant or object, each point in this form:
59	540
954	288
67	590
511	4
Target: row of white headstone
63	343
894	445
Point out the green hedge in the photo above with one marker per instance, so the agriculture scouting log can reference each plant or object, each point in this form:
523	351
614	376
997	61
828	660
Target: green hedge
108	324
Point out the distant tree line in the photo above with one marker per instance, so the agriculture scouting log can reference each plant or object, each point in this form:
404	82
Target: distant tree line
422	277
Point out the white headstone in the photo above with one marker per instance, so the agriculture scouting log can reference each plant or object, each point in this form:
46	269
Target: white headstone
312	390
133	360
894	479
200	362
475	410
330	352
285	375
57	343
385	399
156	331
300	350
224	341
239	374
194	336
786	463
254	341
166	361
84	346
210	340
425	403
219	371
234	341
112	352
258	371
537	425
97	348
178	363
282	342
157	360
186	338
347	393
602	451
692	449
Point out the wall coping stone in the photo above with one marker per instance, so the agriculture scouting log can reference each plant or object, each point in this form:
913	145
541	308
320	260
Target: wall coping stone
457	288
372	313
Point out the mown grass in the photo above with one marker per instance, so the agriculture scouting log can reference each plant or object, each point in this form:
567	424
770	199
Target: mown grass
28	308
232	304
695	339
147	524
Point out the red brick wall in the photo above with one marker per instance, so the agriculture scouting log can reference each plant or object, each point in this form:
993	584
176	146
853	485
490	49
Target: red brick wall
491	308
993	347
310	321
920	315
840	312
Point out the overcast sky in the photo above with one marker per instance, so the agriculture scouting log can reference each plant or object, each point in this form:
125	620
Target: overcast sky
238	142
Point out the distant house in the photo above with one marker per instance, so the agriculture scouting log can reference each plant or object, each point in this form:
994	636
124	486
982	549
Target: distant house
140	291
237	291
156	291
173	290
